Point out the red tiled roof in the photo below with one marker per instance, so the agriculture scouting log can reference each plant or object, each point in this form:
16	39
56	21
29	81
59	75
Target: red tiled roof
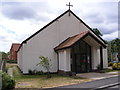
71	40
15	46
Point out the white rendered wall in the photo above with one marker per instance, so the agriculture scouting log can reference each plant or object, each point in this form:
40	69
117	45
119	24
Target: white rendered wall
68	60
64	60
95	58
20	59
105	58
43	43
69	26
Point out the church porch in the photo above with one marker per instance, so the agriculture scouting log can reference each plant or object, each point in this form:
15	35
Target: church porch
80	53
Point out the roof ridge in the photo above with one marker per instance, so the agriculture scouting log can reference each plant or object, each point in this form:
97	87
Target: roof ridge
46	25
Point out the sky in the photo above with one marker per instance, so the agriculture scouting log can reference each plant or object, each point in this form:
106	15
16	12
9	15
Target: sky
21	18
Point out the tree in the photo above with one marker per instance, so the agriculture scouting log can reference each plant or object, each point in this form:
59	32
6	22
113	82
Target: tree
4	55
45	64
8	53
97	32
114	46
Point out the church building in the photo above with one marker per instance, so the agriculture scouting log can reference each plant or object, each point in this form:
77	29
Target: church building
69	43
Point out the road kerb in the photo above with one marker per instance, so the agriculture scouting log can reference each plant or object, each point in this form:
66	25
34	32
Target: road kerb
106	86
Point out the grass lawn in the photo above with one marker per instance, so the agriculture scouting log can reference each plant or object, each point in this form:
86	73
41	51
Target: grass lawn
41	81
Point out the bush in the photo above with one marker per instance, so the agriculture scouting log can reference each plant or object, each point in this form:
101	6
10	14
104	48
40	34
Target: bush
98	67
11	61
32	72
110	64
7	81
116	66
35	72
39	72
45	64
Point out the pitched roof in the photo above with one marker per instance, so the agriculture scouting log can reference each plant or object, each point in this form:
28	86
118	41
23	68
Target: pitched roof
54	21
72	40
15	46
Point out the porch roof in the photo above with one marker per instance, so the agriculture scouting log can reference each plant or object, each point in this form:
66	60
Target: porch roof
72	40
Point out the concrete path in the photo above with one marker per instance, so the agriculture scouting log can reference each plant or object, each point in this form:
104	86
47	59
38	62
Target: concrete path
99	79
10	72
97	76
94	84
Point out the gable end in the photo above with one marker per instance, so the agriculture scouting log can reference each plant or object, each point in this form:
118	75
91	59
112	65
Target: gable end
25	41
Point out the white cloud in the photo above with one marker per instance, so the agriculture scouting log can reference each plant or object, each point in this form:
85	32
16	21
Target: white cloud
111	36
16	29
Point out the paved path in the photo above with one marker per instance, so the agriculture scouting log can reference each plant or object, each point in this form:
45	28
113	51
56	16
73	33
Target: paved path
97	76
99	79
10	72
94	84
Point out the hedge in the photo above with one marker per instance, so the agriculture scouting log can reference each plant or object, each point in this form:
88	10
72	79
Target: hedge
7	81
116	66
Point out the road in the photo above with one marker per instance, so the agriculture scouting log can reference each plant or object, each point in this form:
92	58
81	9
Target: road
117	87
95	84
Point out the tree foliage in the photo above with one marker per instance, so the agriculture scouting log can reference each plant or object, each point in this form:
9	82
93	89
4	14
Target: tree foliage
45	64
97	32
4	55
8	83
113	46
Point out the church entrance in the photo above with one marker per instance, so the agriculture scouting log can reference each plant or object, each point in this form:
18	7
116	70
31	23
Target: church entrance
81	57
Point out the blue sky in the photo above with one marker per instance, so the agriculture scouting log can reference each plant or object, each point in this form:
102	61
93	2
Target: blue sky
21	18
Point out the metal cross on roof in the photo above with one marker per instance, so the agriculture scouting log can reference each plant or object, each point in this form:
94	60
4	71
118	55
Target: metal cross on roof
69	5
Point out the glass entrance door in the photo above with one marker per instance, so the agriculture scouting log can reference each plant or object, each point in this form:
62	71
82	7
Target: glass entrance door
83	61
82	57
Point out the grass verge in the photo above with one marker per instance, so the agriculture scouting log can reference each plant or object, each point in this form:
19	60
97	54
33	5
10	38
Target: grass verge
41	81
107	70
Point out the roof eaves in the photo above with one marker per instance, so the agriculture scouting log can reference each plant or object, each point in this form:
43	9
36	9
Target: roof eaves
103	44
56	48
54	21
43	28
85	35
61	44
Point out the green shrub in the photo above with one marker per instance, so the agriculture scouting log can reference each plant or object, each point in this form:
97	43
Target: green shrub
98	67
106	70
35	72
7	81
11	61
110	64
69	73
45	64
32	72
39	72
116	66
